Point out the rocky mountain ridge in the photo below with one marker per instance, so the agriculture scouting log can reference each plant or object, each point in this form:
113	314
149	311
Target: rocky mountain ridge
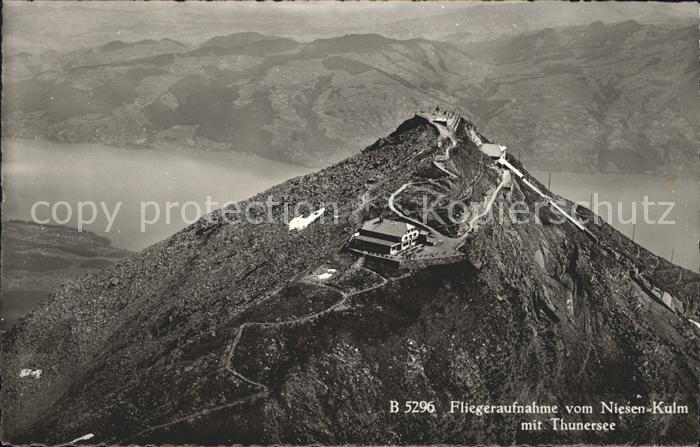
231	332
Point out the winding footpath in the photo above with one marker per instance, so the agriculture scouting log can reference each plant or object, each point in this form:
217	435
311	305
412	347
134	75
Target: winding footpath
263	390
445	133
346	296
344	300
204	412
505	180
398	212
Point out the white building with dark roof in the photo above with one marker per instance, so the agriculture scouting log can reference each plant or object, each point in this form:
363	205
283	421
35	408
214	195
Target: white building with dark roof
385	236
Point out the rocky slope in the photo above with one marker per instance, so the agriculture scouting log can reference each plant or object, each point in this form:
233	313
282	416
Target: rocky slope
38	258
229	332
614	97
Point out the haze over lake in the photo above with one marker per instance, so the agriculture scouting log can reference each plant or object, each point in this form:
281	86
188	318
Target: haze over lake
626	194
36	171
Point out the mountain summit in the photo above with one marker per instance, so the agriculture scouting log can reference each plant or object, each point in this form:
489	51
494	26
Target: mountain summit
265	330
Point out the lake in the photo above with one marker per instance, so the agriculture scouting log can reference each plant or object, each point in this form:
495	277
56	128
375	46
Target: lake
677	234
35	171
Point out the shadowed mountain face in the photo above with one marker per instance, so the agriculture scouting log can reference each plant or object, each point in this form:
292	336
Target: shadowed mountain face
38	258
603	97
251	333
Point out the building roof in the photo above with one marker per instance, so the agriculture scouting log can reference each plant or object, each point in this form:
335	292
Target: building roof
385	226
375	240
490	149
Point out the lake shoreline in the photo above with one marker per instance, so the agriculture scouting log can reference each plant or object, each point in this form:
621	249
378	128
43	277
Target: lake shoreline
37	170
40	171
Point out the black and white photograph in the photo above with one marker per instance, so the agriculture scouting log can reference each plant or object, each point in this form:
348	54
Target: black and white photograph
350	223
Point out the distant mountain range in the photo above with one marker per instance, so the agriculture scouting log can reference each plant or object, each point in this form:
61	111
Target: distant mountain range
601	97
490	19
85	25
